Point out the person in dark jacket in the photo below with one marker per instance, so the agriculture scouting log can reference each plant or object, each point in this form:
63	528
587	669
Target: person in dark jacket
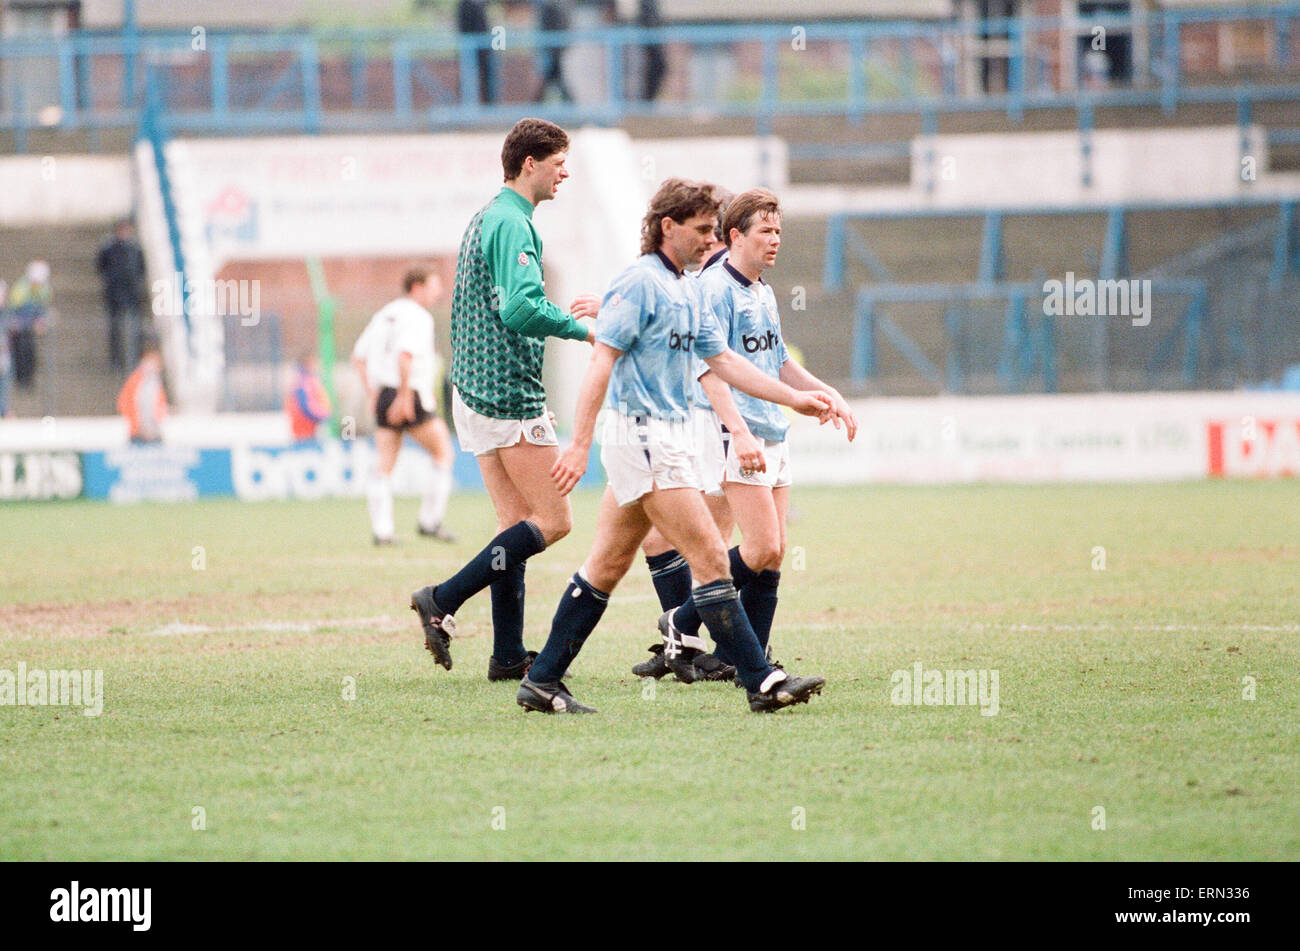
472	20
656	63
121	269
553	17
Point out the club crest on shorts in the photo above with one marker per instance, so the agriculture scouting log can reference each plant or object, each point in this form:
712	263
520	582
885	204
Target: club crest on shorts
538	431
523	259
615	299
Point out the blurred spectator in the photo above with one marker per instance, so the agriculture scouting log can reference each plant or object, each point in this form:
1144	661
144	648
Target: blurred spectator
553	17
29	304
656	63
142	401
472	21
121	268
1096	70
307	402
6	363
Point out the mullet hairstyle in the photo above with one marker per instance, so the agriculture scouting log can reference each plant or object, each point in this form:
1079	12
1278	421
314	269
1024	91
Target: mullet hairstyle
745	207
535	138
677	199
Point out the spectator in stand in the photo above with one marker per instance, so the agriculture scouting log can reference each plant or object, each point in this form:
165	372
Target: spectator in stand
120	264
30	300
307	402
553	17
472	21
656	63
142	401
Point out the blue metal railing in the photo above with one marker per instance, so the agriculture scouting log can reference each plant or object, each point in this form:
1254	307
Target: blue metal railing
217	82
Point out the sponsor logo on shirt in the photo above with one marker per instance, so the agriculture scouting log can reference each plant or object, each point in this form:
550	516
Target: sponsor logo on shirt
523	259
681	342
769	341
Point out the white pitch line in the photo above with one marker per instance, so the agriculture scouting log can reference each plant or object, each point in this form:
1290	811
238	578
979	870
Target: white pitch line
276	627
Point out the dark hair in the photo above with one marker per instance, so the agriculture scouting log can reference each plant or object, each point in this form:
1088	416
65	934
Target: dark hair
745	207
413	276
677	199
531	137
724	201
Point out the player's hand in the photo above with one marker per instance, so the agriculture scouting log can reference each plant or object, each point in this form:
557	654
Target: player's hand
569	468
843	412
588	305
748	452
813	403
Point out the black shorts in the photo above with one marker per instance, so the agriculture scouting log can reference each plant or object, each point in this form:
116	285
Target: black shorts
386	397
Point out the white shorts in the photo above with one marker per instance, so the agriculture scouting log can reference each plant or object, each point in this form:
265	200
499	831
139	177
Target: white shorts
641	453
710	449
481	434
777	456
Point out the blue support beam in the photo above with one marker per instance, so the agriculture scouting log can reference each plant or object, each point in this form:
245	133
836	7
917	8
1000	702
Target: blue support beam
402	79
309	59
864	339
833	266
1016	69
992	256
1114	252
1171	63
219	76
1286	245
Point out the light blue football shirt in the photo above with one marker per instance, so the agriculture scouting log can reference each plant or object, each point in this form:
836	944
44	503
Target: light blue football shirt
651	312
745	314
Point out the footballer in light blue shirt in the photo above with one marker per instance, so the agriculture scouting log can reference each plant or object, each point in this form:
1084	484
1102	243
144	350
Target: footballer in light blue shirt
756	476
648	329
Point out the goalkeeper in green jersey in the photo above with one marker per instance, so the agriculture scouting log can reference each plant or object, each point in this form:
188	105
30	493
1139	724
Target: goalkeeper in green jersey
500	319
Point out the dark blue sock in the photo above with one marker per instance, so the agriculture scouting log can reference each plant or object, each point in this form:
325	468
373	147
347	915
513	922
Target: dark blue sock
672	578
687	618
580	609
759	601
720	608
512	547
508	616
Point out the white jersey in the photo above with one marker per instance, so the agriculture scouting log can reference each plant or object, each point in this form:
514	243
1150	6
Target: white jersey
402	326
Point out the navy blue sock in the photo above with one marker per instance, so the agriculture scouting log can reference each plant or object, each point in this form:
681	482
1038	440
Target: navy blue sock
512	547
508	616
672	578
719	606
759	601
580	609
687	618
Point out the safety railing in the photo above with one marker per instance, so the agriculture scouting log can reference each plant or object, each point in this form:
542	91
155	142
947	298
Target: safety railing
372	80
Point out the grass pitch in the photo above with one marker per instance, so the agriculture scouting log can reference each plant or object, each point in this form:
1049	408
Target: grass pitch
1128	626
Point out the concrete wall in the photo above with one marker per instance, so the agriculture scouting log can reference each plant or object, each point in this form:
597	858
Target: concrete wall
64	189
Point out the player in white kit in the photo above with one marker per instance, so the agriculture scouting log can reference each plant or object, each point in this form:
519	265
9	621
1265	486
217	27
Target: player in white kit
396	361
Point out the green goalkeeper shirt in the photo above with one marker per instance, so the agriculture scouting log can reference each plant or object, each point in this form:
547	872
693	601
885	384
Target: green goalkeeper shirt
500	317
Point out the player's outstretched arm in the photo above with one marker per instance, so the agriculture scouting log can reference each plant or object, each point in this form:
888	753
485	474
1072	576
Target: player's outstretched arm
799	378
521	299
572	464
743	375
743	443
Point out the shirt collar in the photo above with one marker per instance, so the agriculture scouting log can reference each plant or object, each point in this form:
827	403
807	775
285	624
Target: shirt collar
520	202
717	256
744	281
668	263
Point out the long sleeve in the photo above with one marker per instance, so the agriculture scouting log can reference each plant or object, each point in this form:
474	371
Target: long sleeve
515	257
